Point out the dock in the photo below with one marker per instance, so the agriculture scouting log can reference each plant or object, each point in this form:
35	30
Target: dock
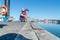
17	30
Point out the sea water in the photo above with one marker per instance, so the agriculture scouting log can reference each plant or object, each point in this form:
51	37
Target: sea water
52	28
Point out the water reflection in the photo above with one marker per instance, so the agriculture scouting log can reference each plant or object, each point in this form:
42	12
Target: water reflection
52	28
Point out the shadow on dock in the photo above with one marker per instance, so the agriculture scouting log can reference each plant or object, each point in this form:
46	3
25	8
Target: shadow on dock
2	25
12	36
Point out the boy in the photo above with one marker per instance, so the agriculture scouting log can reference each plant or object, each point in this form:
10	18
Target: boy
23	15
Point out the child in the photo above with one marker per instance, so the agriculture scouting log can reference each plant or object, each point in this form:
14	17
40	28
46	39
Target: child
23	15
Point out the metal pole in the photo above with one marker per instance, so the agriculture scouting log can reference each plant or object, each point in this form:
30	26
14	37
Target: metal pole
7	3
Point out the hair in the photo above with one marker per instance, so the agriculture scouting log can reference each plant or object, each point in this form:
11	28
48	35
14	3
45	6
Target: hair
26	10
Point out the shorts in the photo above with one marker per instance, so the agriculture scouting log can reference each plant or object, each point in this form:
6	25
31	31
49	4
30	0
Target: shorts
21	19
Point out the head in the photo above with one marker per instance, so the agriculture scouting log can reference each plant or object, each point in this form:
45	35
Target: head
27	10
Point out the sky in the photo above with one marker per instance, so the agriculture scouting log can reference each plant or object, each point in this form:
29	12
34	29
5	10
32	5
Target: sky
38	9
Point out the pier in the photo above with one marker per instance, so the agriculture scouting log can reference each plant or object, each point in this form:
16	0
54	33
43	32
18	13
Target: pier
17	30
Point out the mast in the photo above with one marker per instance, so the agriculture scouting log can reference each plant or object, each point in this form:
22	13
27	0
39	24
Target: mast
7	3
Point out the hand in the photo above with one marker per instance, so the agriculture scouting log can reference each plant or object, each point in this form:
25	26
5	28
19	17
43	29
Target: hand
21	14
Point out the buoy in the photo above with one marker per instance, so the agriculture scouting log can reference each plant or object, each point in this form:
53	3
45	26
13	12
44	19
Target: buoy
4	12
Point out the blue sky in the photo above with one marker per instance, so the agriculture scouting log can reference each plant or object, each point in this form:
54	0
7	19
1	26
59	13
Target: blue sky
42	9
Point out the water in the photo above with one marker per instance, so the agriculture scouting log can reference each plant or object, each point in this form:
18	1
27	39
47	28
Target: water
52	28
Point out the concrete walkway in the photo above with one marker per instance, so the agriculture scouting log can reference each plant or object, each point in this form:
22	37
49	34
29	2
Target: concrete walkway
33	32
10	28
24	31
